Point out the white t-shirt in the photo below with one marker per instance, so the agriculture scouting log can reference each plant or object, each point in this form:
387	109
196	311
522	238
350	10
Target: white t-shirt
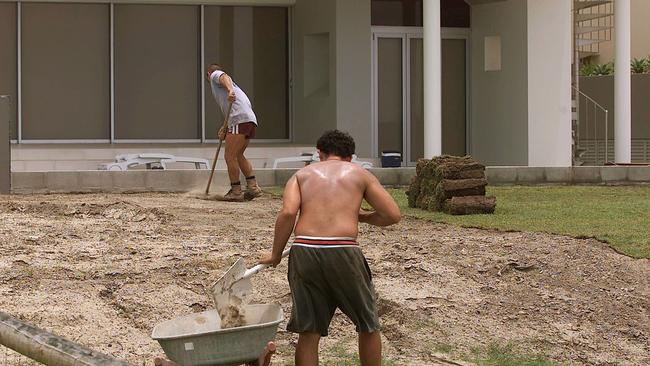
242	111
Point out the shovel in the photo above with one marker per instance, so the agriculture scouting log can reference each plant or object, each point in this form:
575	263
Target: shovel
235	283
216	155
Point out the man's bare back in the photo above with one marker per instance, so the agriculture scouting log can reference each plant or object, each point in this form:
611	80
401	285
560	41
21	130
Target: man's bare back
331	193
328	197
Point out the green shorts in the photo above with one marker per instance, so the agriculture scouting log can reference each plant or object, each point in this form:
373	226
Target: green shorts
325	276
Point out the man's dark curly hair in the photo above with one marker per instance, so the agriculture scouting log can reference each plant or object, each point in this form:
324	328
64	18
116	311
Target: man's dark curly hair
337	143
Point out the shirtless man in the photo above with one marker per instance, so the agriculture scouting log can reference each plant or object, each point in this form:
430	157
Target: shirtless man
327	269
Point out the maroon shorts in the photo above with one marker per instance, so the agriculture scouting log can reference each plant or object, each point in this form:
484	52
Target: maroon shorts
247	129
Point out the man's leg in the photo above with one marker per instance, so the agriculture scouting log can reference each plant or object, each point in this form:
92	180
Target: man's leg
252	189
234	144
307	349
265	356
159	361
245	165
370	348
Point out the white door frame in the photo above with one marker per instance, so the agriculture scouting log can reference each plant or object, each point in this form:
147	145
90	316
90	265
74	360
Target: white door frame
406	34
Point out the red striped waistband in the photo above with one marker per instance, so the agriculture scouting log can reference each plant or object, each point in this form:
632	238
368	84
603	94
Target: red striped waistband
310	240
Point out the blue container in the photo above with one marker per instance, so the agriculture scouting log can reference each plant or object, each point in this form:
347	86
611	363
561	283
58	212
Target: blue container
391	159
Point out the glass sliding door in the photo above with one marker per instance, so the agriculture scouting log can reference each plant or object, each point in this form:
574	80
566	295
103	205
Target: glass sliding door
398	102
416	99
454	95
390	104
8	58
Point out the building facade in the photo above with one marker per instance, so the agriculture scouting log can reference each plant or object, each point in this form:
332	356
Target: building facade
490	78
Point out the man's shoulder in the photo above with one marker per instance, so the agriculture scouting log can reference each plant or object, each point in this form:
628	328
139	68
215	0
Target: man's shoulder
216	74
322	169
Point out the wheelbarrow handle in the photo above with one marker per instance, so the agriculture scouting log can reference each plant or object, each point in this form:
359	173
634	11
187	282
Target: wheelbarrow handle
259	267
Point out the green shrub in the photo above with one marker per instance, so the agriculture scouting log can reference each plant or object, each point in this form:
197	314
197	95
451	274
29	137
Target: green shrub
587	70
640	66
637	66
604	69
597	69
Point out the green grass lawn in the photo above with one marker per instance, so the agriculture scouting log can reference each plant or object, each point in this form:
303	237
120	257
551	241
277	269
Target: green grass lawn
619	216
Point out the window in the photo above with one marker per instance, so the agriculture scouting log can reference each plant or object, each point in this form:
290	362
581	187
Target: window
8	80
65	71
157	72
251	43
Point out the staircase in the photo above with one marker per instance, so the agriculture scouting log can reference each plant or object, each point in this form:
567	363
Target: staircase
593	25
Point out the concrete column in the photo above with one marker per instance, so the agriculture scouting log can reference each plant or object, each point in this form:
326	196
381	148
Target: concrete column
432	79
549	82
623	83
5	149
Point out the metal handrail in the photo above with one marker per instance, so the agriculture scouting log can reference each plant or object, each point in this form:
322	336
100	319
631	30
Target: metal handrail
589	98
604	110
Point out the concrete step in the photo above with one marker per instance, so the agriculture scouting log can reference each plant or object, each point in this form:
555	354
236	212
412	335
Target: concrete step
190	180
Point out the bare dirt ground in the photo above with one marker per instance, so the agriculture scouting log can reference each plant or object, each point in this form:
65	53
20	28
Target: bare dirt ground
102	270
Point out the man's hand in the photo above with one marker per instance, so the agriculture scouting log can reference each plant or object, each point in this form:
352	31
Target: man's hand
231	96
222	133
270	259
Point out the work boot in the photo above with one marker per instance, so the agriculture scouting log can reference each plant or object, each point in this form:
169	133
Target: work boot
252	192
252	189
235	194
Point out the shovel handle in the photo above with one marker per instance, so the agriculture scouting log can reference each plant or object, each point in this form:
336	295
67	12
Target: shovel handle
259	267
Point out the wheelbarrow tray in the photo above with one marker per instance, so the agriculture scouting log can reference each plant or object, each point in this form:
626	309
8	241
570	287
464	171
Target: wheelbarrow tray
197	340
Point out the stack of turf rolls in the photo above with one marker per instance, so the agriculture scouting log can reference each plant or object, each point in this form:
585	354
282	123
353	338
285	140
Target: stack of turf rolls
451	184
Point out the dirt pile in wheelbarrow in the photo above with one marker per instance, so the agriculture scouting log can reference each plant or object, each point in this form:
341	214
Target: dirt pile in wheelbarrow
105	280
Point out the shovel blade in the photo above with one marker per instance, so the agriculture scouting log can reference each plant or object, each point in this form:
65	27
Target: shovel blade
230	284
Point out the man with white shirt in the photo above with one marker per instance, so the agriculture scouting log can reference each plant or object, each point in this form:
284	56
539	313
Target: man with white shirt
242	124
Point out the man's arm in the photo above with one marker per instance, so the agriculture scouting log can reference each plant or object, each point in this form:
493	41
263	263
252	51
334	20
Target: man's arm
226	81
386	211
285	221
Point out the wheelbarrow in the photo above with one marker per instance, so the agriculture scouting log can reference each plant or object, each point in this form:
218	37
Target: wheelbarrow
198	340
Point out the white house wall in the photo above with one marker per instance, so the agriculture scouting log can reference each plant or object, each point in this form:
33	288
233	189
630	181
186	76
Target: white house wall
353	59
549	83
499	102
314	69
332	70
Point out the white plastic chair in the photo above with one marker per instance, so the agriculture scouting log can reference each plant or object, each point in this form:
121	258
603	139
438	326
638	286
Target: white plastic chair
124	162
309	158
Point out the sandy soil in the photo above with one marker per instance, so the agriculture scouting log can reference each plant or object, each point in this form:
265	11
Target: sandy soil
102	270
